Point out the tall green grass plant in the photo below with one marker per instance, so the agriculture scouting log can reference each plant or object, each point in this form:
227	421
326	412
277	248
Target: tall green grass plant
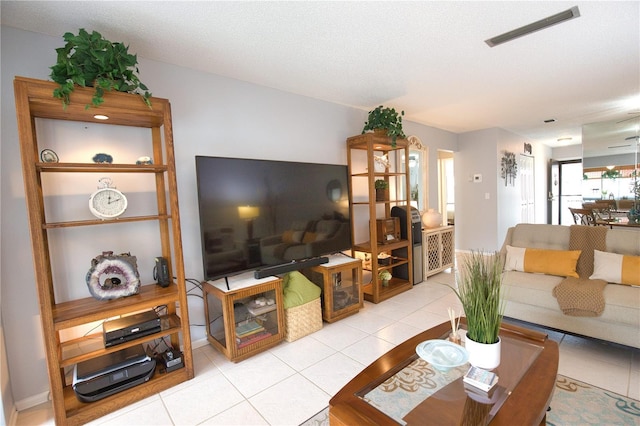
479	287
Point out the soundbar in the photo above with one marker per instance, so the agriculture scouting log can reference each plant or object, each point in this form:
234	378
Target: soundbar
288	267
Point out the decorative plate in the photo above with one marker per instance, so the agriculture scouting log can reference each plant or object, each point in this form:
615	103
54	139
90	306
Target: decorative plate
442	354
48	156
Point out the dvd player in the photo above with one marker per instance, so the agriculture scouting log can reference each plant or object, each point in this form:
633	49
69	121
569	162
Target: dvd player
100	377
131	327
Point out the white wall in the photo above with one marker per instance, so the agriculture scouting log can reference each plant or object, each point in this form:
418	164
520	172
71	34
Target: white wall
570	152
486	209
476	226
212	115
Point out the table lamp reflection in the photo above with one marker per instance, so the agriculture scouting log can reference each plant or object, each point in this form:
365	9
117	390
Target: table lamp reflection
249	213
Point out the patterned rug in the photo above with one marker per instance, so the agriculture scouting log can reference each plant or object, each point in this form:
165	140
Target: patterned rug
573	403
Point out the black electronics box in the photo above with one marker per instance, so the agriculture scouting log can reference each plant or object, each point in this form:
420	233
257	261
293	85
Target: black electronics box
172	360
106	375
131	327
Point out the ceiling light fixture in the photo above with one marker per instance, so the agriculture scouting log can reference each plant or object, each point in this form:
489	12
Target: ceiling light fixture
564	139
101	117
535	26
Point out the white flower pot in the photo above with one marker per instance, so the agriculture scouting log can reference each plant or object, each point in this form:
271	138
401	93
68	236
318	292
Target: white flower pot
483	355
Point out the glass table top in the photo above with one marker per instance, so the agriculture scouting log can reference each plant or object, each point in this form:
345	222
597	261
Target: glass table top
416	390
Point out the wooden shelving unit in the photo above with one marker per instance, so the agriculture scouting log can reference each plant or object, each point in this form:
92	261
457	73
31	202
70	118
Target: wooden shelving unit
364	208
34	100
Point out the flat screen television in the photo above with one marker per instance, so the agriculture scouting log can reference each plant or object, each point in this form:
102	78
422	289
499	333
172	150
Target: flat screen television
261	213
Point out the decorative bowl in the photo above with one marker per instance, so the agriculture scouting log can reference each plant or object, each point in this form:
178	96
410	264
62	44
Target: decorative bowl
442	354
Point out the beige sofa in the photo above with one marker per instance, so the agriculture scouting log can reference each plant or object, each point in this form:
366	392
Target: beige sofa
530	296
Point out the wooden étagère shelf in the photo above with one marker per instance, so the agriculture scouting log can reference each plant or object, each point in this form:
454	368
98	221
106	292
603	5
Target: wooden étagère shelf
34	100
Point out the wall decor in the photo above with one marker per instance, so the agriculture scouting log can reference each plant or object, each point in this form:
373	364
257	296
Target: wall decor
113	276
527	148
509	168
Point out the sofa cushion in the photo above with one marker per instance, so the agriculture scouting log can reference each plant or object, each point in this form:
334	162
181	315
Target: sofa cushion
552	262
530	289
542	236
622	305
616	268
623	241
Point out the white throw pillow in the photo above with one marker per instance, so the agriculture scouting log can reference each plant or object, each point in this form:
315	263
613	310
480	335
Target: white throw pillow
615	268
515	259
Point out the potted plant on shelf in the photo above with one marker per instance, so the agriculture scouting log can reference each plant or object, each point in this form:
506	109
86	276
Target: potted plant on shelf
479	285
384	276
387	120
382	190
89	60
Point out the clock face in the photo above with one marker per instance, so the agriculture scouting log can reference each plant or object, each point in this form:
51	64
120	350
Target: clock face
107	203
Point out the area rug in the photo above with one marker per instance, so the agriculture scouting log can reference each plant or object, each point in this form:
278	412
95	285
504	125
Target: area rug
573	403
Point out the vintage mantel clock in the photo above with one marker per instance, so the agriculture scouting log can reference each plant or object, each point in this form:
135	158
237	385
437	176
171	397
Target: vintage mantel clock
107	202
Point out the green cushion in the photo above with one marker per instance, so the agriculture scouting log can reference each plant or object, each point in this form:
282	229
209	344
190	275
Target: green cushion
298	290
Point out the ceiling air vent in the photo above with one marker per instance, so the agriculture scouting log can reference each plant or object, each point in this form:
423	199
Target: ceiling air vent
535	26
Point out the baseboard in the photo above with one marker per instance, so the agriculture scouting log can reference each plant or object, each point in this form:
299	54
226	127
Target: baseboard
13	417
32	401
199	343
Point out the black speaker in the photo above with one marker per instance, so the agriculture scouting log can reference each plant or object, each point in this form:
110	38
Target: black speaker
161	272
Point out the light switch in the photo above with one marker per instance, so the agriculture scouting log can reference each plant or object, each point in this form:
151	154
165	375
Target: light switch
487	196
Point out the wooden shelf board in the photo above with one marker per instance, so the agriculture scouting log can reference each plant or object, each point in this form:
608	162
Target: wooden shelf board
79	413
366	203
173	327
77	312
121	108
90	222
100	168
379	143
381	174
366	246
396	286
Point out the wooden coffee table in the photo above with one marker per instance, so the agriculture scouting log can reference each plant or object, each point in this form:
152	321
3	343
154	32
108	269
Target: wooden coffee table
527	372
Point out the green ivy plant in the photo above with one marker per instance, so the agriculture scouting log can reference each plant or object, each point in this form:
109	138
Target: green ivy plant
388	119
89	60
611	174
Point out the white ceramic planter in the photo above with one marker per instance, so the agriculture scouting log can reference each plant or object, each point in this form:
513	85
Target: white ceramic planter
483	355
432	218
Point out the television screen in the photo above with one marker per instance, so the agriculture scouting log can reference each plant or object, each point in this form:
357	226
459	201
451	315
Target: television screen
257	213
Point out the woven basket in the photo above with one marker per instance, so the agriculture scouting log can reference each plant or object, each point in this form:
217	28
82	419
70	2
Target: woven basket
302	320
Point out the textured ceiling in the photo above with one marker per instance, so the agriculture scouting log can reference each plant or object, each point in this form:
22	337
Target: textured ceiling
427	58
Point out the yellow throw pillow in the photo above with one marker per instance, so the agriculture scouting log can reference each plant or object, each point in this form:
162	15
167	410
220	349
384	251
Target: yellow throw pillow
552	262
616	268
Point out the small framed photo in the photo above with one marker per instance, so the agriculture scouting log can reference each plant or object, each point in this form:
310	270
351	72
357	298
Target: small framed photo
48	156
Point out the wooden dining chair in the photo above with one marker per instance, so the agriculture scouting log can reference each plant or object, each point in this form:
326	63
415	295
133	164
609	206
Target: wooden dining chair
583	216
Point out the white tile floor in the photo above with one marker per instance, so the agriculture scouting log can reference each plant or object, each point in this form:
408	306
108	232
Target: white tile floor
293	381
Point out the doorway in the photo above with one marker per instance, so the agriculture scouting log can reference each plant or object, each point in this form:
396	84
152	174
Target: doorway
446	189
565	191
